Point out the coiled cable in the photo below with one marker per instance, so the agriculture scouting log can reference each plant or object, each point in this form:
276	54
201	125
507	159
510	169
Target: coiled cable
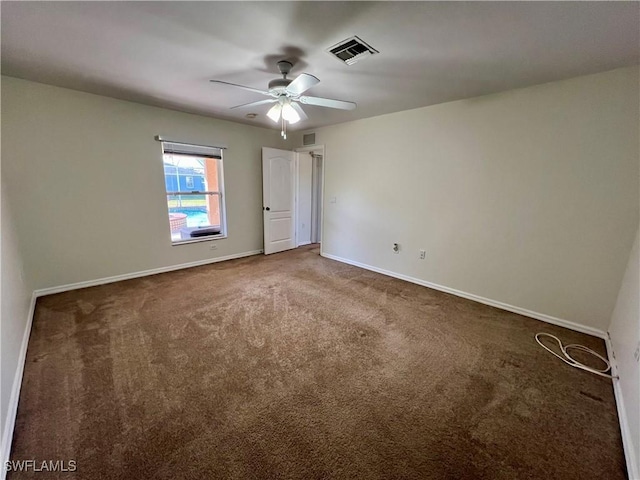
569	360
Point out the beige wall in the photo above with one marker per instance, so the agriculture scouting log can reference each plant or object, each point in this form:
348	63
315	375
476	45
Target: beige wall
528	197
625	338
15	302
85	174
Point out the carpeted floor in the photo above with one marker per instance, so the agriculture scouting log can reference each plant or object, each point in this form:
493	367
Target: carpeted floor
296	366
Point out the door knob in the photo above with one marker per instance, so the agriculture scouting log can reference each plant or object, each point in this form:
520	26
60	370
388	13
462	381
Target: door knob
267	209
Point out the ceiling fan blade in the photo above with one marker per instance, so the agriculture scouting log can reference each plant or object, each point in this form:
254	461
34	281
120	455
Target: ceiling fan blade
255	104
327	102
301	84
255	90
298	109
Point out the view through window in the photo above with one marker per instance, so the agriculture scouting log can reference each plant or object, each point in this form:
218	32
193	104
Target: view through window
194	187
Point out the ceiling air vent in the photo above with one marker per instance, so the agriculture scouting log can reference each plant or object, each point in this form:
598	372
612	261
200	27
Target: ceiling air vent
351	50
309	139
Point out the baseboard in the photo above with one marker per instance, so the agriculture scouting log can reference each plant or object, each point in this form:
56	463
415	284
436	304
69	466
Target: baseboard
7	434
304	243
144	273
476	298
633	469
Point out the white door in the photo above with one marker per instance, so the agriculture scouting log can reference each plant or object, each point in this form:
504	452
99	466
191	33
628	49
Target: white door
278	199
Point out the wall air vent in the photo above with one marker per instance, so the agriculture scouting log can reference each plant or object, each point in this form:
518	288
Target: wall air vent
351	50
309	139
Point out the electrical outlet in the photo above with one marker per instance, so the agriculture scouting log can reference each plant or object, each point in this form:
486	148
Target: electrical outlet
396	248
213	246
636	354
423	254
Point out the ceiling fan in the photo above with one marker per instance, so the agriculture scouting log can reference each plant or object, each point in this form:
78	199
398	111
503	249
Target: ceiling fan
286	94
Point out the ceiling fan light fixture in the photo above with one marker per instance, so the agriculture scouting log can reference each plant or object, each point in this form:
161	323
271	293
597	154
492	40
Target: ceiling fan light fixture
289	114
285	95
274	112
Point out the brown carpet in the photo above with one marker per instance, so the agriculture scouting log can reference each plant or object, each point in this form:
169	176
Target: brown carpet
296	366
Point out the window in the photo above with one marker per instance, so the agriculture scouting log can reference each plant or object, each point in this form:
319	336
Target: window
195	191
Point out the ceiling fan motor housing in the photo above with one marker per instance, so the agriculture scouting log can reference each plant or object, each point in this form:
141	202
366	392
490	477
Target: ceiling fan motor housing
279	84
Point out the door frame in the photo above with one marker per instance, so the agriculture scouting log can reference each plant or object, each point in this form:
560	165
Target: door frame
320	150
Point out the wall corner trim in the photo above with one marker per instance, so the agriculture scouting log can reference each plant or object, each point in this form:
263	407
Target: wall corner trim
633	469
7	434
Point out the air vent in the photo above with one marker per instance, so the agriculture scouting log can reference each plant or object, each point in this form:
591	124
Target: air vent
351	50
309	139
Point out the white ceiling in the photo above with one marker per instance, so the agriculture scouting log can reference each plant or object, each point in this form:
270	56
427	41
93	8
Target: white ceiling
164	53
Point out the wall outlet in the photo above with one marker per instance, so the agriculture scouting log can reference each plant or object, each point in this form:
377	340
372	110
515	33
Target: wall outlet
636	354
213	246
423	254
396	248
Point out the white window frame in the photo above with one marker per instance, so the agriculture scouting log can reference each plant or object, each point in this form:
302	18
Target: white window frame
204	152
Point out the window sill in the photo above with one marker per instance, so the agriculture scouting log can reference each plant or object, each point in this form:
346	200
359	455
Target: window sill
206	238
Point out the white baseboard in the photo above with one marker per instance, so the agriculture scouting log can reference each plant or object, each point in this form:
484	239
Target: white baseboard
7	434
128	276
476	298
304	243
633	469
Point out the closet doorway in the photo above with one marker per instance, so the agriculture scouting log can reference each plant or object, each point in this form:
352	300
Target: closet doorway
310	177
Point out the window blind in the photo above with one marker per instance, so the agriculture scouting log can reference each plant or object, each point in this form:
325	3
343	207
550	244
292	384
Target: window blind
183	148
